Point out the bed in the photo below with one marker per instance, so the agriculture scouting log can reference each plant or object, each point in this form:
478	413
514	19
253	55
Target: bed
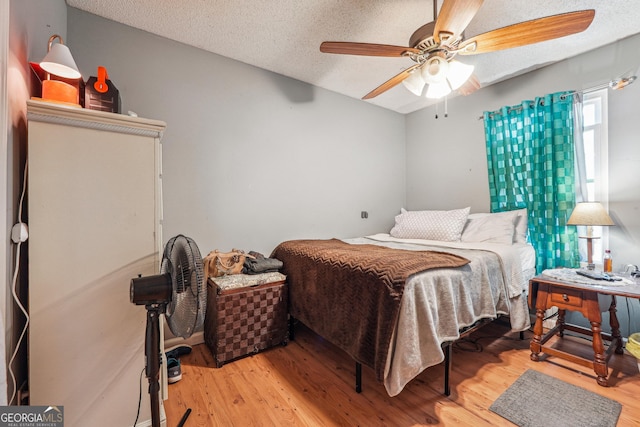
392	302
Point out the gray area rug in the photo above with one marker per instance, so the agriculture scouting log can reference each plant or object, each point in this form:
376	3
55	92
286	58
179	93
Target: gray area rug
537	399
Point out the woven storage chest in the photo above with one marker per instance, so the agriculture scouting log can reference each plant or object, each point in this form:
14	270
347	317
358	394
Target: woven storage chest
245	314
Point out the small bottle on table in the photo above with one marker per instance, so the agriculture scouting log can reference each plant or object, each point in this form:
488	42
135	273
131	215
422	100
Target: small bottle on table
607	262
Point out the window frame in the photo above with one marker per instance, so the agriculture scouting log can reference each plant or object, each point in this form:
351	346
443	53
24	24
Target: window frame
600	191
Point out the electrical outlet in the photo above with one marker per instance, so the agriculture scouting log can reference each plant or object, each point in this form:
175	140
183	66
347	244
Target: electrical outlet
364	214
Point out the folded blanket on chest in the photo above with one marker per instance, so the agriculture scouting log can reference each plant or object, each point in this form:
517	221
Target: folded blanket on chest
350	294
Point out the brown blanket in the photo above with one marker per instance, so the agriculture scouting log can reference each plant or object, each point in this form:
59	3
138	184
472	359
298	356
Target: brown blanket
350	294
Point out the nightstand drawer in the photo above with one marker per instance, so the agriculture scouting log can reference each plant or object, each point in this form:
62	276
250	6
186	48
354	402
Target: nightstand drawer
565	297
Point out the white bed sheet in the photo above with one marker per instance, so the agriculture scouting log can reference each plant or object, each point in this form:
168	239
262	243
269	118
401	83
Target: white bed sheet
435	305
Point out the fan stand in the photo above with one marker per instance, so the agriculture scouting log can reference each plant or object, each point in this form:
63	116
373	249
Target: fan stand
152	356
155	292
152	367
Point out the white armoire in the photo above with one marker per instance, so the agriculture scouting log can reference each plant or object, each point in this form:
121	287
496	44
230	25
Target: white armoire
95	211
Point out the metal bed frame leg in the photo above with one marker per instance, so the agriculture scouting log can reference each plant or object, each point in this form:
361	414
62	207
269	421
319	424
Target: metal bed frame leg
447	367
447	371
292	328
448	353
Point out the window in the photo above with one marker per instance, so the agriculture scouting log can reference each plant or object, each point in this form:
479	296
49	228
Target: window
594	116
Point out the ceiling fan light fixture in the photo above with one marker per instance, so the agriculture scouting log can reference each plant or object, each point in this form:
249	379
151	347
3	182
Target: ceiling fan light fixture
435	70
414	83
438	90
459	73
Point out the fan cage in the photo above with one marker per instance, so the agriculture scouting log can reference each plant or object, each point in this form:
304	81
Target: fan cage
183	262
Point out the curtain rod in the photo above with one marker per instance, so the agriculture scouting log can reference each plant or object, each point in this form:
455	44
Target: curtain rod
615	84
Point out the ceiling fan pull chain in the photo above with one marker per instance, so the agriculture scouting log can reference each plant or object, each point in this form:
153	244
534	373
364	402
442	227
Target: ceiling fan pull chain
446	108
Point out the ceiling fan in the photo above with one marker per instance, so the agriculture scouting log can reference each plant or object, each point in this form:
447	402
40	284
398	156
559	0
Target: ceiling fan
434	46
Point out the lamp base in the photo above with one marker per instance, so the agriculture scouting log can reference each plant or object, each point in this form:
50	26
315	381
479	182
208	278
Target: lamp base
39	76
590	263
56	90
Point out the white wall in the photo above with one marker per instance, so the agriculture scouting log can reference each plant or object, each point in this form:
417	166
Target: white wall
31	24
446	157
250	158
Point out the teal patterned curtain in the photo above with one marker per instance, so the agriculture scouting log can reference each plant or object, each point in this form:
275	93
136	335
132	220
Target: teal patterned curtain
530	157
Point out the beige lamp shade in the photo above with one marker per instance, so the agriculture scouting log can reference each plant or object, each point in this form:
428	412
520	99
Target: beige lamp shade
59	61
589	213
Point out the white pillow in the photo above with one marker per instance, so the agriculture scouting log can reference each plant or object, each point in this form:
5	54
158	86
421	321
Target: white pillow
445	226
490	228
522	226
496	225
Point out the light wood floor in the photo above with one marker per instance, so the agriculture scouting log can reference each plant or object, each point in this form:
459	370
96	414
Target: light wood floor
310	383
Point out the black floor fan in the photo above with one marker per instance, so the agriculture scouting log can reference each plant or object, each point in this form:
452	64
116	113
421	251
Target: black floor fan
180	293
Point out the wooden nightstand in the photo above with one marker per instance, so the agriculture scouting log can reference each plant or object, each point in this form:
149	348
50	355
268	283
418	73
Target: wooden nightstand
545	293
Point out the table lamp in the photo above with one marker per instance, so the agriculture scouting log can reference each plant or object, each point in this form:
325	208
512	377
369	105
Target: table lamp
589	214
59	62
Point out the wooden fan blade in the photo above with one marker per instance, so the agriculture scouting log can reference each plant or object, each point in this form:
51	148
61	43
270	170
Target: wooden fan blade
369	49
470	86
393	81
529	32
454	16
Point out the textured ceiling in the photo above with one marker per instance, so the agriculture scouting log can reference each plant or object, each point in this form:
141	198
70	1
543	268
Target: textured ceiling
284	36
